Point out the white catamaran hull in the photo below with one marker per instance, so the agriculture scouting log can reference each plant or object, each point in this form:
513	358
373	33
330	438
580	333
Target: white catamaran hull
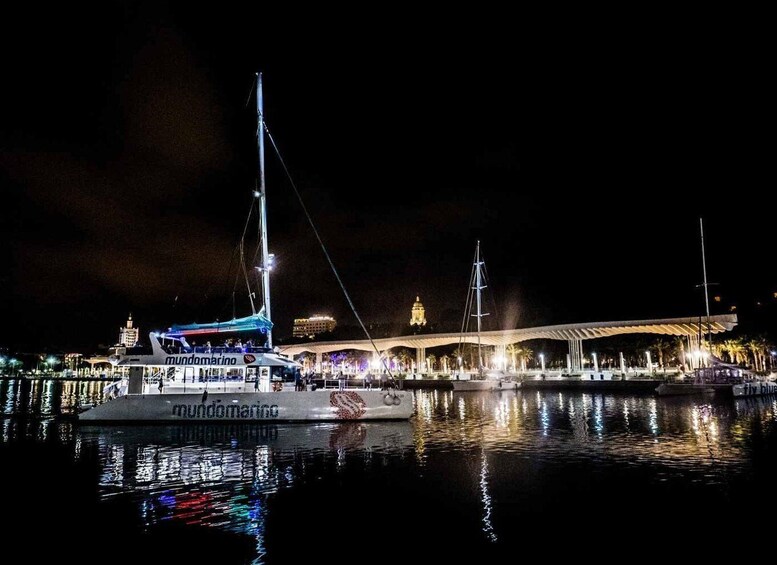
256	407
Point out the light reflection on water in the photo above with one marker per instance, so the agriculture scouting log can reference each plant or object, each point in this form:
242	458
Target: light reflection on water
47	397
591	425
480	463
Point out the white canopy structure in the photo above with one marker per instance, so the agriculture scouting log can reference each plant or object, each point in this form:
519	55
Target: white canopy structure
573	333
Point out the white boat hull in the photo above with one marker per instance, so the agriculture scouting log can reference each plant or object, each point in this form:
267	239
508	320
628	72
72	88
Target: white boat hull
683	389
484	385
754	389
324	405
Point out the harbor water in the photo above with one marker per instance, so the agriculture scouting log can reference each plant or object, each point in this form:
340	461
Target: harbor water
487	476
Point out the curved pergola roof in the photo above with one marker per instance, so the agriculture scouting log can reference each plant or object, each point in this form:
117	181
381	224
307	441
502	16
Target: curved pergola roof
671	326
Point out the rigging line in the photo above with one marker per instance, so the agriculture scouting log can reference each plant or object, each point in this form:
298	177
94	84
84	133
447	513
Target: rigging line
255	257
323	248
250	92
234	286
492	294
245	276
467	304
242	257
467	311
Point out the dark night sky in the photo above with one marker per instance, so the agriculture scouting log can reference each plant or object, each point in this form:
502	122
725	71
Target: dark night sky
580	156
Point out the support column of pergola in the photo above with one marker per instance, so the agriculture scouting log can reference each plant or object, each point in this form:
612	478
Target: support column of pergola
420	359
501	355
694	351
576	354
319	359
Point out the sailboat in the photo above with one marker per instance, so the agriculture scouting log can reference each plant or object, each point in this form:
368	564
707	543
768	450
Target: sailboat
718	376
481	381
173	381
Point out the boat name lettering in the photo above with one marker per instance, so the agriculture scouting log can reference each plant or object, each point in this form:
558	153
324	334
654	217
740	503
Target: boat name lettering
199	360
232	411
759	388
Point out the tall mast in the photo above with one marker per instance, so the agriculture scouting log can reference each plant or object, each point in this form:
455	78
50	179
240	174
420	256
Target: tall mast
477	298
265	265
706	293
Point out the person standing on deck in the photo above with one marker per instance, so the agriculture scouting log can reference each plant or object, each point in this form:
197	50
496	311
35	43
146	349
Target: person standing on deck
341	380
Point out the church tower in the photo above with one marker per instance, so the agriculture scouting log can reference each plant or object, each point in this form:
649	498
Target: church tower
417	317
128	336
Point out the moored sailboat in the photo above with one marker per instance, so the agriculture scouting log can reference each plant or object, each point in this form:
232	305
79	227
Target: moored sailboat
482	381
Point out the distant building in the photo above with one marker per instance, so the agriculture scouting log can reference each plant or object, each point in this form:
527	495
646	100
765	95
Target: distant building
128	335
417	313
72	361
308	327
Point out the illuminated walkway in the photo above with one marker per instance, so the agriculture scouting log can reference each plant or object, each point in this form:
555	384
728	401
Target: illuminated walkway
689	327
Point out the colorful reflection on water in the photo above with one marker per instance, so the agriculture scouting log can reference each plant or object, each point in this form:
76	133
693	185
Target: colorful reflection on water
489	469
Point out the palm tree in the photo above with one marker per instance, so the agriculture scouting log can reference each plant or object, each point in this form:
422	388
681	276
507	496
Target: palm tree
512	349
758	347
679	346
662	346
336	361
735	349
431	359
308	360
717	349
458	357
386	356
444	359
404	359
524	354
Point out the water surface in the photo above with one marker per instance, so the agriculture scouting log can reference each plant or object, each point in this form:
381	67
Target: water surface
485	474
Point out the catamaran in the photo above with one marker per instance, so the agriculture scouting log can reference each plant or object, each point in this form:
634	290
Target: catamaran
172	381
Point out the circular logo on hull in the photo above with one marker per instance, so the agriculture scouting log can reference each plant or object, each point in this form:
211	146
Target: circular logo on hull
248	358
349	405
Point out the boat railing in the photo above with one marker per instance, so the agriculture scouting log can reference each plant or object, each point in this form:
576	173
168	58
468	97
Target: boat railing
217	349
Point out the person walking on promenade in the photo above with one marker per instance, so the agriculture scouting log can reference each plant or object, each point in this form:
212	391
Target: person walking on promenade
341	380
